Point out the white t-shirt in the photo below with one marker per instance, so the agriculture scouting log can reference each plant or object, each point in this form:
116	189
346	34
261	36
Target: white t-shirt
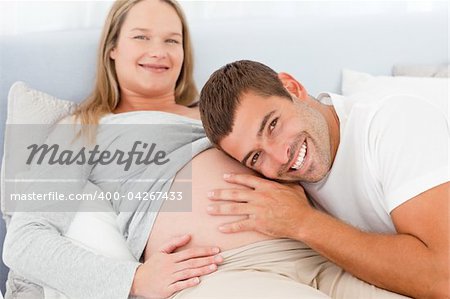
391	150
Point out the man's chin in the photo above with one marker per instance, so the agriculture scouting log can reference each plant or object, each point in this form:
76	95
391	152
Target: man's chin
288	180
304	179
315	179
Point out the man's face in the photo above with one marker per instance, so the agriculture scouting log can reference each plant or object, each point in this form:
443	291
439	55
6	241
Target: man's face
281	139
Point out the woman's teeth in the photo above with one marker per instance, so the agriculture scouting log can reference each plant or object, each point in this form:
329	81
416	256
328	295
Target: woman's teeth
301	157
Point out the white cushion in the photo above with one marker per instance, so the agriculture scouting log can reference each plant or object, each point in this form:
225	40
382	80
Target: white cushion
440	70
435	90
27	106
30	106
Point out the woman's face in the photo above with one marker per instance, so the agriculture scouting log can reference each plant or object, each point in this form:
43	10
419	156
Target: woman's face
149	51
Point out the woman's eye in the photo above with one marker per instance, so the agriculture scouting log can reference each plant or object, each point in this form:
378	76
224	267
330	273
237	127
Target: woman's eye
254	159
273	124
142	37
172	41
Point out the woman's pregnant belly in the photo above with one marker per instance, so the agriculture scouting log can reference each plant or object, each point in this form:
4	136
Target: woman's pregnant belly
207	171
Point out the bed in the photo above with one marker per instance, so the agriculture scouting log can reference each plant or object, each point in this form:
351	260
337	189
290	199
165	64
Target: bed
314	41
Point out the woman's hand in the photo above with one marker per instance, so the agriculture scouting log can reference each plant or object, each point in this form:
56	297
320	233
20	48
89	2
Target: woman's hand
166	272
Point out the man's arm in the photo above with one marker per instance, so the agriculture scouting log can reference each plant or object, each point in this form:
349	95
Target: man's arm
413	262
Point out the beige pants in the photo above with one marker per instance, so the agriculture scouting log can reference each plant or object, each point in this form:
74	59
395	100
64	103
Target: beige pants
280	269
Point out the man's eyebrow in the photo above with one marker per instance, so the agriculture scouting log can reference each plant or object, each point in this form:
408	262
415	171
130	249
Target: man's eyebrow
264	122
259	134
147	30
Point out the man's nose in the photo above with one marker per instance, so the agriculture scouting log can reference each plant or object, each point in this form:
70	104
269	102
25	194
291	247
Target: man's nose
279	153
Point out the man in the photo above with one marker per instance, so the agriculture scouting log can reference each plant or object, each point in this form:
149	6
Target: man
378	165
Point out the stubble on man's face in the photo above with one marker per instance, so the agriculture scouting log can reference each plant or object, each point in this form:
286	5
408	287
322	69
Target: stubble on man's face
299	124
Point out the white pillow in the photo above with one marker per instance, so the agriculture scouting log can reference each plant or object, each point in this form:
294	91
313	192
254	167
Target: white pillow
30	106
27	106
435	90
440	70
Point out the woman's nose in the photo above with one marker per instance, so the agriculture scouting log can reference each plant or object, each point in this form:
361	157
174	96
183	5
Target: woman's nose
157	50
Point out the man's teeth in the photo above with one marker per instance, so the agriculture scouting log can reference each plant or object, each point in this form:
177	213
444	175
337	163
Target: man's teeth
300	158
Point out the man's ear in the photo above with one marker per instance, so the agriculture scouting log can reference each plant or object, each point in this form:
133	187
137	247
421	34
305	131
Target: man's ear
293	86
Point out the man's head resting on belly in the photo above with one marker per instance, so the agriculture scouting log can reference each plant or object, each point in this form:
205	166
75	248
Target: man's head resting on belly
268	122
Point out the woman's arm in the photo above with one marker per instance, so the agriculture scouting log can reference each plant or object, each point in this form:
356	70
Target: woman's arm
35	248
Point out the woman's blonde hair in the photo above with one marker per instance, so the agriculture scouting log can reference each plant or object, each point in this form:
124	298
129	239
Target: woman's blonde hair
106	93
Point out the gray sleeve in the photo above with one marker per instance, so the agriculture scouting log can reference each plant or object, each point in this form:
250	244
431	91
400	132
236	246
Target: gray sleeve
35	248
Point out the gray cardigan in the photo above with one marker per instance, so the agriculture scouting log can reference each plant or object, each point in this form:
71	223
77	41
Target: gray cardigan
36	250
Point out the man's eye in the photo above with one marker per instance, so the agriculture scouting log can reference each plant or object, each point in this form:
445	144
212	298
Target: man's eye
273	124
142	37
254	159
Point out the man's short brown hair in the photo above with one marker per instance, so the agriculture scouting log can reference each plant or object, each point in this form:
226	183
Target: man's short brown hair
220	96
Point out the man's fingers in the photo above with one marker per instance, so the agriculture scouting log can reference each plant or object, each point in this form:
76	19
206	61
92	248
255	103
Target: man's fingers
238	226
174	243
229	209
194	253
231	194
248	180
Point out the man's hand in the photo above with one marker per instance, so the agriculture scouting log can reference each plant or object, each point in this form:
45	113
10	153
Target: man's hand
167	271
273	209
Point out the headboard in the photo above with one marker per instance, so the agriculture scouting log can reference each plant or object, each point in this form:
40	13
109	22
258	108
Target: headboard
311	40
